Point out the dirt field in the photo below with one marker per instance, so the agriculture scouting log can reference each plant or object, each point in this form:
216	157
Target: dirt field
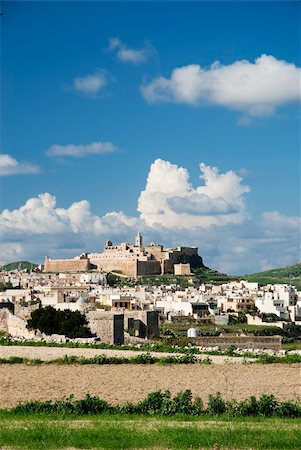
119	384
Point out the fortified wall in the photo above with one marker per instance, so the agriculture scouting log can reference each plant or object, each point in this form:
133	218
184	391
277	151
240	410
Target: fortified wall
78	264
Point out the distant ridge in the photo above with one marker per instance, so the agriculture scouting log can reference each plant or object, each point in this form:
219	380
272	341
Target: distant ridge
283	275
18	264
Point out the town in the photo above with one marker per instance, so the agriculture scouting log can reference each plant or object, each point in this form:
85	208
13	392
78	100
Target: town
121	306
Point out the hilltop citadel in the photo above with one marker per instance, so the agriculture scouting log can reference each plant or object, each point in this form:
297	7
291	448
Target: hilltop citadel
132	260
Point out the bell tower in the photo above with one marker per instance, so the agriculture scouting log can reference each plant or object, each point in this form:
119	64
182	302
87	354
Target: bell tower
138	240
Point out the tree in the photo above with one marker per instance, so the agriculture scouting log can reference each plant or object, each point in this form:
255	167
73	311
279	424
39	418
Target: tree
48	320
5	286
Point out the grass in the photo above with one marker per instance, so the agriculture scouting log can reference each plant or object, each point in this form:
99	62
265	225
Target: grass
283	275
272	359
159	421
292	346
155	346
120	432
144	358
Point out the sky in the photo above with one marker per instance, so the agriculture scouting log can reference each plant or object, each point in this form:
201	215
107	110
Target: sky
177	119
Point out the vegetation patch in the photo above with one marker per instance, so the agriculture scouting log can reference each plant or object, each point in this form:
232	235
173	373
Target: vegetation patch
162	404
144	358
48	320
18	265
120	432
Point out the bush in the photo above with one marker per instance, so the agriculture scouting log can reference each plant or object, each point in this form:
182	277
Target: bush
248	407
91	405
182	402
198	407
267	405
161	403
50	321
144	358
216	405
288	409
155	403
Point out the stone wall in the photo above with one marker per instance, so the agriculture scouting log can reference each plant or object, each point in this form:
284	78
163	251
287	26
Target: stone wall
109	327
24	312
13	325
127	267
66	265
150	267
251	342
3	320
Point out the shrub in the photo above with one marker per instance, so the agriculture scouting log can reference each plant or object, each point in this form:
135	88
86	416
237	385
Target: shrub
161	403
182	402
198	407
267	405
91	405
144	358
288	409
248	407
155	403
216	405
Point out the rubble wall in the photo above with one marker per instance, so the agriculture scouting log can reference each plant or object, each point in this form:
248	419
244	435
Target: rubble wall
251	342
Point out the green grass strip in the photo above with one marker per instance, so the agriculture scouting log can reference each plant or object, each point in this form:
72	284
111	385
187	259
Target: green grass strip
150	433
144	358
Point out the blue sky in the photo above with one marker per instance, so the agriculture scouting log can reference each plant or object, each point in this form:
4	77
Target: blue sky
76	73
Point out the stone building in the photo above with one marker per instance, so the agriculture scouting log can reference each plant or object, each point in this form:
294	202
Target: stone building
132	260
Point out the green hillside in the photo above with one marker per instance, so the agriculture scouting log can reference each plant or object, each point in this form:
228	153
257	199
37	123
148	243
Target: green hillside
18	264
283	275
210	276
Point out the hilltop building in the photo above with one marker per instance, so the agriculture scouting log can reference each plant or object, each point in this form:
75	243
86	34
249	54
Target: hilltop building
132	260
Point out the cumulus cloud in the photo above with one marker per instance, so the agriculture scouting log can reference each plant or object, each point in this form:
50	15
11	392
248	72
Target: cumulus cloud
91	84
10	166
40	227
95	148
170	200
131	55
172	212
256	89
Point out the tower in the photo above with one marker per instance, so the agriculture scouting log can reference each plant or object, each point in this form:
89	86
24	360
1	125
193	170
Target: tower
138	240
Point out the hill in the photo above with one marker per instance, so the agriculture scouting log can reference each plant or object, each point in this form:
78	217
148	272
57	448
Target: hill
283	275
18	265
210	276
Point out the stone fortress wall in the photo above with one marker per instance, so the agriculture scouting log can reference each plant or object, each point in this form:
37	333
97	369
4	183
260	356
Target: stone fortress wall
66	265
132	260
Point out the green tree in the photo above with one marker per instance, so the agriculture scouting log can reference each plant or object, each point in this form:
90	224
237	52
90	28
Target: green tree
48	320
4	286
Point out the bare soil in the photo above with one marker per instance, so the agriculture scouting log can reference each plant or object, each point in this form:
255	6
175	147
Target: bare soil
121	383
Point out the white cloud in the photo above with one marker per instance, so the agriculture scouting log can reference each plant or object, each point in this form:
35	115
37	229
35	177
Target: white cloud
95	148
131	55
91	84
171	201
256	89
39	227
210	216
10	166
